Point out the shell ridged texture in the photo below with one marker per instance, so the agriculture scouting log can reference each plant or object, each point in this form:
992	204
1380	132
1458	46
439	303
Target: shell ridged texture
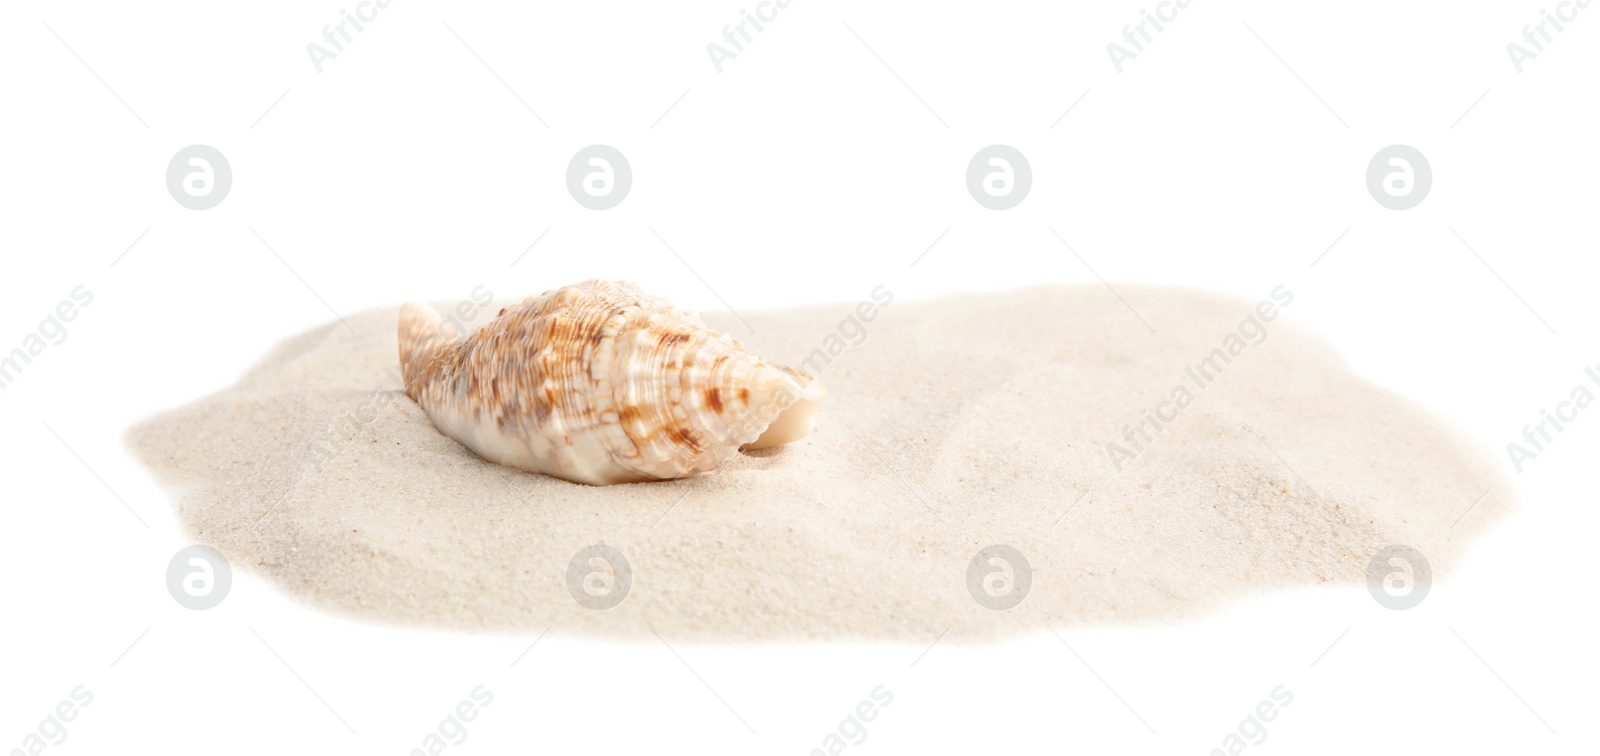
597	383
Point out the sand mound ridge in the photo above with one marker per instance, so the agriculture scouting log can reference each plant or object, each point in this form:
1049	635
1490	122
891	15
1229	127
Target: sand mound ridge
1047	421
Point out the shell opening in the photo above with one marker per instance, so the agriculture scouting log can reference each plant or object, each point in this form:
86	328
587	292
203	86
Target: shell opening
794	422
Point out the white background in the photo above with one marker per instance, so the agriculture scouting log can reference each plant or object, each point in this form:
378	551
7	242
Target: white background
807	171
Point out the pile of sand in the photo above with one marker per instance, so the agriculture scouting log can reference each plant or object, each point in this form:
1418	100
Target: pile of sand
950	426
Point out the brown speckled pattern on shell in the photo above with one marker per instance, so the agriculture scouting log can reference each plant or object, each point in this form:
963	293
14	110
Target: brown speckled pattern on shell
597	383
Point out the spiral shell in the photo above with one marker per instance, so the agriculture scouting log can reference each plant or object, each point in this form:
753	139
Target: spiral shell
601	383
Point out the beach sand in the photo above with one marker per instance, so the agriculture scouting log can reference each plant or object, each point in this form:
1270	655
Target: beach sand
950	426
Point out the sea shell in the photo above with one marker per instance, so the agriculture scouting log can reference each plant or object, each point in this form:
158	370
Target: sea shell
601	383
